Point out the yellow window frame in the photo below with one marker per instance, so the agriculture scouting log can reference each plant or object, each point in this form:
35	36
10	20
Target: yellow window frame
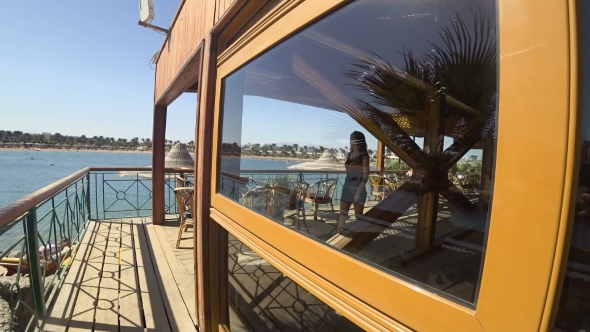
529	212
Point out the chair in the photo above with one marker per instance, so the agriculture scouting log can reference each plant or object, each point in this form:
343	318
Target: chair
185	203
257	193
321	192
298	195
381	186
277	201
182	182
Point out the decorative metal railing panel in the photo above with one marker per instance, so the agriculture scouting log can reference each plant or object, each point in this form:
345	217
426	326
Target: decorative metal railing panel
36	250
40	233
234	187
119	194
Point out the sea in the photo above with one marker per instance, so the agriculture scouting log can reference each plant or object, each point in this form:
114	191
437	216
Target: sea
24	172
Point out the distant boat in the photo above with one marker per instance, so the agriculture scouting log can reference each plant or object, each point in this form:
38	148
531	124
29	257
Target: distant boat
37	149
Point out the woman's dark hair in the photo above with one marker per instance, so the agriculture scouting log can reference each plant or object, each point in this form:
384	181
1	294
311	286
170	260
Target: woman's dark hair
362	143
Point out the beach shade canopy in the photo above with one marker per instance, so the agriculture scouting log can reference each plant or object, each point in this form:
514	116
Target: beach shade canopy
178	157
327	162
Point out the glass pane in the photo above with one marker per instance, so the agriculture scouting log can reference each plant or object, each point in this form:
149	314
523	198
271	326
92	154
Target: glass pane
574	307
261	298
301	126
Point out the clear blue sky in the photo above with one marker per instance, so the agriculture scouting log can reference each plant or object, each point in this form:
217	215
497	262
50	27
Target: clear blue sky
83	68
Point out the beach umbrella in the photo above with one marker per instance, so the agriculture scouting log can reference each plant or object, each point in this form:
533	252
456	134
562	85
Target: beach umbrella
327	162
178	157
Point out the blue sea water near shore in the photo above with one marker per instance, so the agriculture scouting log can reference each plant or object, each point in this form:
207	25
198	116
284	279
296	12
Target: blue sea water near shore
24	172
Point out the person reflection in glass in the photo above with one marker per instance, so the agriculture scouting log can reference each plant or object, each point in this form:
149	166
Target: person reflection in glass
354	191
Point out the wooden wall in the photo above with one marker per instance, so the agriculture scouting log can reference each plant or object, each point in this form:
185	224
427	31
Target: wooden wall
221	7
194	21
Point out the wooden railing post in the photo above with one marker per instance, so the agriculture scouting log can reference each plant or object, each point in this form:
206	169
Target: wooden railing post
158	172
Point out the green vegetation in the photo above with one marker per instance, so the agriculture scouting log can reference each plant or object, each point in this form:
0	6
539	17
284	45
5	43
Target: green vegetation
396	165
471	168
57	140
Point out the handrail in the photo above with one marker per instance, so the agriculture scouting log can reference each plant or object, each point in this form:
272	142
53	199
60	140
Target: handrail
234	176
23	205
274	171
137	169
19	207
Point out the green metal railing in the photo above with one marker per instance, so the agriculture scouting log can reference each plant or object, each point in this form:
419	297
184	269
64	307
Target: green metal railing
234	187
37	236
128	193
40	233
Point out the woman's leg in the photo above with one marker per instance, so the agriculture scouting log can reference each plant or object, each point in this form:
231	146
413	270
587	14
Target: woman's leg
343	215
359	210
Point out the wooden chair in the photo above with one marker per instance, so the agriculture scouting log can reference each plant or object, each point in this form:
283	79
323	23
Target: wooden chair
321	192
381	186
185	202
253	197
182	182
299	191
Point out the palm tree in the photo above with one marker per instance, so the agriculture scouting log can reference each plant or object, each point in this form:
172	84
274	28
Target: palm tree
462	70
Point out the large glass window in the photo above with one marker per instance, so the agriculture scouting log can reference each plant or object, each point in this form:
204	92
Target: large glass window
574	307
303	123
262	298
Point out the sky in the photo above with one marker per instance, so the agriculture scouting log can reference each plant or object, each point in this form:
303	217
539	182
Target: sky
83	68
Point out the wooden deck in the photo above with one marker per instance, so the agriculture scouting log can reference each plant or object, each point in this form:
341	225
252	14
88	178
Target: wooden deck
128	276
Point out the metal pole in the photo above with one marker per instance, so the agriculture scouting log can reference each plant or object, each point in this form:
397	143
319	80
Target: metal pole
88	211
34	264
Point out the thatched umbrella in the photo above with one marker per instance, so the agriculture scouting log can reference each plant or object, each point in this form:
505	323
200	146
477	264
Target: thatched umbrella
178	157
327	162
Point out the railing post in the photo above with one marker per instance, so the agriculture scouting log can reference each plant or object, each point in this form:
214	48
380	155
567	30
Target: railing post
88	210
34	264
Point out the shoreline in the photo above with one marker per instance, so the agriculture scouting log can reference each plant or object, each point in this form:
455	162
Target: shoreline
143	152
273	158
74	150
150	152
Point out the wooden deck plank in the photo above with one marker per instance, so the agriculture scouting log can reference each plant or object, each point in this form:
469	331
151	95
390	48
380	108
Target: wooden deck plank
127	277
179	273
130	318
151	299
84	309
60	313
179	316
107	308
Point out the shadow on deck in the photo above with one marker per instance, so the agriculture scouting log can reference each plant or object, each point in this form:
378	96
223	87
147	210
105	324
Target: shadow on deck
128	276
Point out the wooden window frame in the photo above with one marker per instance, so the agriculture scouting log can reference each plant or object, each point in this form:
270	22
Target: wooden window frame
529	213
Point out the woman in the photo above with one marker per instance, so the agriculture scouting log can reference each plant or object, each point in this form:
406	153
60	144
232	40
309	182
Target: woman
354	191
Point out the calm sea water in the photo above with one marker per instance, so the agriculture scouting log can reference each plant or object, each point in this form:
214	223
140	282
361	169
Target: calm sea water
24	172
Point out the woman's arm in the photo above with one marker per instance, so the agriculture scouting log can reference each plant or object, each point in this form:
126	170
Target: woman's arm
365	174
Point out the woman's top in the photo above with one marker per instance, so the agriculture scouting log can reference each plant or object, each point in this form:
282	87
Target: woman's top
354	167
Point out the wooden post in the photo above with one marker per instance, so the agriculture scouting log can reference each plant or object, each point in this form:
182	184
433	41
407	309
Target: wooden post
158	154
433	146
207	240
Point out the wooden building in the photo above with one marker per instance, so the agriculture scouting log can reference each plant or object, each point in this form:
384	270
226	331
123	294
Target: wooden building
434	81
